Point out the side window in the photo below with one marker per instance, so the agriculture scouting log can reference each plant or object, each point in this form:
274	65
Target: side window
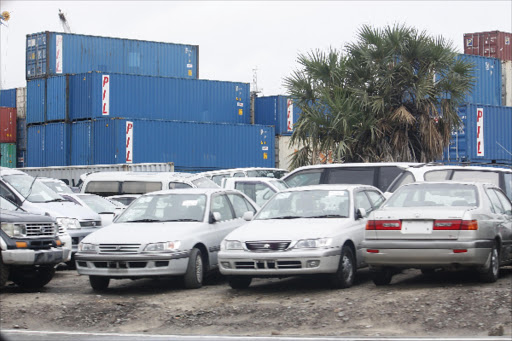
507	177
403	179
362	201
305	178
376	198
496	203
140	187
104	188
258	192
240	205
505	202
175	185
217	179
239	175
437	175
346	175
220	204
387	175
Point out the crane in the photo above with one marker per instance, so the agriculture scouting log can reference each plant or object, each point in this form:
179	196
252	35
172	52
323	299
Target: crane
64	22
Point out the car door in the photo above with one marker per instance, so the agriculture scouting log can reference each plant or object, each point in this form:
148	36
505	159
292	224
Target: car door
505	227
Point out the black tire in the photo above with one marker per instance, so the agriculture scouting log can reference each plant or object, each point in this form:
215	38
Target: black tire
346	273
34	278
194	276
4	273
492	272
428	271
239	282
99	283
382	277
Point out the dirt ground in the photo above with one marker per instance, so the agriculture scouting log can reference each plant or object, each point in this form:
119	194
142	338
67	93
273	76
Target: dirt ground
416	305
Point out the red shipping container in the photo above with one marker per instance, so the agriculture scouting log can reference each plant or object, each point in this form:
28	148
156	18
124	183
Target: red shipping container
7	125
494	44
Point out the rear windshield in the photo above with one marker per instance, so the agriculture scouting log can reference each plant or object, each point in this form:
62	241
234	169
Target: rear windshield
426	194
348	175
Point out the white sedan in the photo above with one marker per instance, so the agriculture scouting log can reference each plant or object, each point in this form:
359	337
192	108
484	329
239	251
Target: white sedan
166	233
302	231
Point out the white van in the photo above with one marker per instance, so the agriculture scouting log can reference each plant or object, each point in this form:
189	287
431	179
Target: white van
117	183
35	197
498	176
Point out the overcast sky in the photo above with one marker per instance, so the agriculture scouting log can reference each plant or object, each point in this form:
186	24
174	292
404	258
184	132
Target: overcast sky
235	37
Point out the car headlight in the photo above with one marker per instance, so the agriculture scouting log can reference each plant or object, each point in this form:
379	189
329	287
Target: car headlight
162	247
14	230
87	247
69	223
313	243
231	245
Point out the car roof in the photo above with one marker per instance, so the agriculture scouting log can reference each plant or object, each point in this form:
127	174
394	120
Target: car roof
333	187
449	182
358	164
233	170
428	167
154	176
10	171
189	191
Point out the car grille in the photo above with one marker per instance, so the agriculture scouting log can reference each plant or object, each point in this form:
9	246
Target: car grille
90	223
269	264
265	246
38	230
119	248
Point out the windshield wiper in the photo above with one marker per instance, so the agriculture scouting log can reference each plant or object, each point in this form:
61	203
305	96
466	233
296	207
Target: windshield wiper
56	200
329	216
181	220
143	221
106	212
288	217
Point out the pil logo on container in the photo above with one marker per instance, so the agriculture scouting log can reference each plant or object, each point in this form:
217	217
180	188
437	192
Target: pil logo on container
480	131
105	95
129	142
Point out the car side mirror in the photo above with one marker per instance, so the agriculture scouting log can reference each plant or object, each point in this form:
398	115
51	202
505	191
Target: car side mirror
248	216
214	217
360	213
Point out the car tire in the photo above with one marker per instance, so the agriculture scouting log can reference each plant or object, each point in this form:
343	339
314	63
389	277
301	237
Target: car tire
239	282
99	283
492	272
4	273
194	276
35	278
346	272
428	271
382	277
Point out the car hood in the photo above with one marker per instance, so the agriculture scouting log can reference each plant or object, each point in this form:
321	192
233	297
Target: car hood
143	233
20	216
63	209
288	229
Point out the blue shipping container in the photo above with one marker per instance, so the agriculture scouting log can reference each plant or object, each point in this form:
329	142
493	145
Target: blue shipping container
277	111
36	98
48	145
191	146
35	146
97	95
484	135
56	101
53	53
21	134
8	98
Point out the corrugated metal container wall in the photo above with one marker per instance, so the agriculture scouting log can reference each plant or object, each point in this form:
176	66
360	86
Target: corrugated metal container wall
275	110
494	44
8	152
506	76
52	53
147	97
56	99
190	146
21	102
8	98
7	125
21	134
56	144
487	73
22	158
35	146
36	93
495	142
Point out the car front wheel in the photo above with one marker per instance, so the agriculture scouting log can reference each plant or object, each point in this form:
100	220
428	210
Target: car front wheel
99	283
382	277
239	282
344	276
193	278
34	278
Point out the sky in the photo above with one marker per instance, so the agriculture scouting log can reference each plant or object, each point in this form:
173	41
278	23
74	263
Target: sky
237	37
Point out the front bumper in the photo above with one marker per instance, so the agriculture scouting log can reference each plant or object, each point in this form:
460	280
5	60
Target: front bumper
133	265
279	263
426	254
54	255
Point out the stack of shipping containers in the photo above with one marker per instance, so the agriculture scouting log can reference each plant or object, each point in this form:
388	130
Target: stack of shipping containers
486	116
98	100
8	128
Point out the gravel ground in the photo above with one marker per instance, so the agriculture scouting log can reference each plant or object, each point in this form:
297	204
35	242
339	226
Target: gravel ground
443	304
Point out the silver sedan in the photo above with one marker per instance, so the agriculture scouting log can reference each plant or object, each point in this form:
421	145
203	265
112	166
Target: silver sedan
445	225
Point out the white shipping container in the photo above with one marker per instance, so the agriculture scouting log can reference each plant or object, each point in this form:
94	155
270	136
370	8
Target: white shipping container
506	75
21	102
284	152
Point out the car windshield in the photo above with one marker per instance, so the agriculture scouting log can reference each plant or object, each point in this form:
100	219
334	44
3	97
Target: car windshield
124	200
446	194
98	204
165	207
203	182
33	190
7	205
307	204
57	187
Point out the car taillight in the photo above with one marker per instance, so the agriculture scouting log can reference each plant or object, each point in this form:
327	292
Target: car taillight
384	225
456	224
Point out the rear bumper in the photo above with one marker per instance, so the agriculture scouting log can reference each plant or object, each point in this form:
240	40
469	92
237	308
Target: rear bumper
426	254
34	257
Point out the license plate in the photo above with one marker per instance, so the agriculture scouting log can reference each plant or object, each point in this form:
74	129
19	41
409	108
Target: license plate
417	226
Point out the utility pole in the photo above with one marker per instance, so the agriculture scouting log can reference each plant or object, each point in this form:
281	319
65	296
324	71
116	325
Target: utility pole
254	92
